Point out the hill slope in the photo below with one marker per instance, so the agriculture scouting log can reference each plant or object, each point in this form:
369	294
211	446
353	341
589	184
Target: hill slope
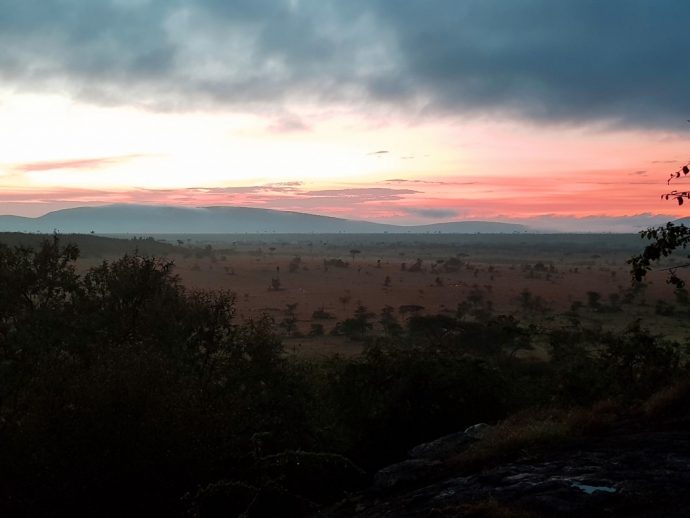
146	219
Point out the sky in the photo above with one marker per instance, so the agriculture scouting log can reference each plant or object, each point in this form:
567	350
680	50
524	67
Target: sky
399	111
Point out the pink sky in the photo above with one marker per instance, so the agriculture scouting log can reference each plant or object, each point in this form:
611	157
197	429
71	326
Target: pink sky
60	153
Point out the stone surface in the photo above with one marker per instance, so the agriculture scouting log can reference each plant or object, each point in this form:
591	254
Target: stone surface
620	473
405	473
478	431
441	447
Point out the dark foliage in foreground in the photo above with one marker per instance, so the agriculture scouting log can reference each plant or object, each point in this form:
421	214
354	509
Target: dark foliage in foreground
664	241
121	392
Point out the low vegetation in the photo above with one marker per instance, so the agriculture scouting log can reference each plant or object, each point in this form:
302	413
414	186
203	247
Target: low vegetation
122	389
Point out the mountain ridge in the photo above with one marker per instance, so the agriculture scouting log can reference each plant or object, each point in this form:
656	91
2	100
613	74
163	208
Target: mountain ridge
166	219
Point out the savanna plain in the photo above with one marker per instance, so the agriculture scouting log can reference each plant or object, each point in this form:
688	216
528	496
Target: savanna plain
309	284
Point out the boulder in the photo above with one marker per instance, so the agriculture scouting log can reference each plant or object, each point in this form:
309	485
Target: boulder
442	447
478	431
406	473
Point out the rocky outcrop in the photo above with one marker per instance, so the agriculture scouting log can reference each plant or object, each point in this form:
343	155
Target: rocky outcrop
441	447
620	473
406	473
423	462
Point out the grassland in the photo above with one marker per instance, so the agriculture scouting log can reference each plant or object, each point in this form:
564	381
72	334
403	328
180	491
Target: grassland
321	279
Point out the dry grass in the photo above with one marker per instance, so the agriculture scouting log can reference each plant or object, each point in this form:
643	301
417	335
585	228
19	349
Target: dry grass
668	402
497	272
597	418
483	509
512	437
535	429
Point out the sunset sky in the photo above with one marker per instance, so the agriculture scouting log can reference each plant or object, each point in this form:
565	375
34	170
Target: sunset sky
396	111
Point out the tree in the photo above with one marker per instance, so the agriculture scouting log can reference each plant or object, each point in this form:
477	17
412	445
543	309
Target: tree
665	239
289	323
295	264
275	285
357	326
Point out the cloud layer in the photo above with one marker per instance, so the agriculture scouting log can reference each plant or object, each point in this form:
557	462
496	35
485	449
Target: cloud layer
572	61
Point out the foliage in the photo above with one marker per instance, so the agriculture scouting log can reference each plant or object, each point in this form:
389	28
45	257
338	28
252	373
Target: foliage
356	327
295	264
675	194
121	388
590	365
665	240
322	314
336	263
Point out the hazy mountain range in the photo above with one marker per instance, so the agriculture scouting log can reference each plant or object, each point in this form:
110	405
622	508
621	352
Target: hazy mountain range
150	219
147	219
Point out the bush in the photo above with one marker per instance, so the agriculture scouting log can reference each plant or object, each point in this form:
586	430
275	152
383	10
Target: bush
322	314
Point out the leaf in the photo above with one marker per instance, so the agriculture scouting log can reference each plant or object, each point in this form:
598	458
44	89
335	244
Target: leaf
680	200
686	170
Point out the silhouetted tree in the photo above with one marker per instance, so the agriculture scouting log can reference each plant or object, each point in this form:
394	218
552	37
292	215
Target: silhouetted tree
666	239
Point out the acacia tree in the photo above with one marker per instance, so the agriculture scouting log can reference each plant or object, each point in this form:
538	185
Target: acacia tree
666	239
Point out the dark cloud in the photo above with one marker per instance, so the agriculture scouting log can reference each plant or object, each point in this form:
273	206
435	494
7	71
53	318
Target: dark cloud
574	60
432	213
620	61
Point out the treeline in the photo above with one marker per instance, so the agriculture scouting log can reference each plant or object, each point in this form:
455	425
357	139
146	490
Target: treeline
96	246
122	392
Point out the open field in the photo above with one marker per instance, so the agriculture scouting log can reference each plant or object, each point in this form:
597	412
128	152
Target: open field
547	279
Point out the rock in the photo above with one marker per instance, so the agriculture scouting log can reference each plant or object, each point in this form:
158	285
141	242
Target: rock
478	431
443	446
405	473
615	474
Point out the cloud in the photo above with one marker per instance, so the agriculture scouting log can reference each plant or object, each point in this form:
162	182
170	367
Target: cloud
429	182
432	213
177	55
75	163
363	194
574	61
288	123
279	187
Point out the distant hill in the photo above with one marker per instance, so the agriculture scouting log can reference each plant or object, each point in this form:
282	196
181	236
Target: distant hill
471	227
148	219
